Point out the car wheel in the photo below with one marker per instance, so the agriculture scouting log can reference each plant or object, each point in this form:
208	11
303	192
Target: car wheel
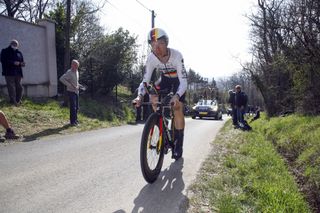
193	117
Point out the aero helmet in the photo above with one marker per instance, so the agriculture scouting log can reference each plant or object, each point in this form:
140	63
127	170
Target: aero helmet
156	33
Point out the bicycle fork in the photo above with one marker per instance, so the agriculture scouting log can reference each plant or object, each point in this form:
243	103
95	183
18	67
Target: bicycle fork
164	131
161	130
161	133
169	135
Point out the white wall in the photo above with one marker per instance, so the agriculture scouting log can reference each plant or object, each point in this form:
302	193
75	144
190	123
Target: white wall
37	44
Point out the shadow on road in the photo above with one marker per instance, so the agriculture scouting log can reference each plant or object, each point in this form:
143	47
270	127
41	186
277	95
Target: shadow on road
45	132
164	195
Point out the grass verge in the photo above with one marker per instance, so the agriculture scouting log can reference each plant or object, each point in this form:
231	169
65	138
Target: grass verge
245	173
37	119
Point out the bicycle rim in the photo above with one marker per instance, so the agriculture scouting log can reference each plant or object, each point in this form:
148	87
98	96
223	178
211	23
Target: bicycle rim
151	150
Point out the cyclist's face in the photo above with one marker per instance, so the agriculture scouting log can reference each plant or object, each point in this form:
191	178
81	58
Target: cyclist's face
159	47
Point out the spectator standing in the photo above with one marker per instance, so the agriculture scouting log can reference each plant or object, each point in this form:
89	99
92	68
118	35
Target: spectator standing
232	102
71	80
12	63
9	131
240	103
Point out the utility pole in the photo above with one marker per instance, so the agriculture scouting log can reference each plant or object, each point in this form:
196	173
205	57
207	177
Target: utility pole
152	18
152	13
67	48
67	36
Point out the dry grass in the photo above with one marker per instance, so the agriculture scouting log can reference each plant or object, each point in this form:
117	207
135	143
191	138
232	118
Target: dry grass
37	119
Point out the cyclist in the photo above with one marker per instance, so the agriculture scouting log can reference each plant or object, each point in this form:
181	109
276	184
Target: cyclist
168	63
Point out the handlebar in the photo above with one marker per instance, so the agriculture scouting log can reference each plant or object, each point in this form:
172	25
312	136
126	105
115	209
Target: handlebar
164	101
164	94
152	90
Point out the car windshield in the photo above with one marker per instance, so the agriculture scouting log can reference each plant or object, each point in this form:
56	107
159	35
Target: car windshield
207	103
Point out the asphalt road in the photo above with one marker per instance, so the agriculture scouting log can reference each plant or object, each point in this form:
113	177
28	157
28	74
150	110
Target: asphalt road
99	171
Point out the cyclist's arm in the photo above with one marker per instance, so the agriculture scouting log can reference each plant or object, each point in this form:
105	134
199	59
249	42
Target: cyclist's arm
182	75
147	76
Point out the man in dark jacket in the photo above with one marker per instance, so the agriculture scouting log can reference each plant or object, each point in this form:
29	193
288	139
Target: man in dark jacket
232	102
12	63
241	103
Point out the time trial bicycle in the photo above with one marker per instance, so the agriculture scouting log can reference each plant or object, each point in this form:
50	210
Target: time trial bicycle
157	136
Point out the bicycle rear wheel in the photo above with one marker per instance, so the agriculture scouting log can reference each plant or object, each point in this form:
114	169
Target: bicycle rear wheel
151	149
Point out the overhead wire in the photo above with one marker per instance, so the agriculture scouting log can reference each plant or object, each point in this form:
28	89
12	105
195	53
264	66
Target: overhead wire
137	23
143	5
123	13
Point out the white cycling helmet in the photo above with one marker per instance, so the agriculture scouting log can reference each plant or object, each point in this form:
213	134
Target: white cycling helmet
156	33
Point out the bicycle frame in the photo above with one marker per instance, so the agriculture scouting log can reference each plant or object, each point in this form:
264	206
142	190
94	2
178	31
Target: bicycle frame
163	120
165	127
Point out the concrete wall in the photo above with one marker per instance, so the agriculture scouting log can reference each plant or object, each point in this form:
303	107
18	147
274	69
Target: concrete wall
37	44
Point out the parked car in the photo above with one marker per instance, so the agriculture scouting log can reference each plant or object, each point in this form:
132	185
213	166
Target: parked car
207	108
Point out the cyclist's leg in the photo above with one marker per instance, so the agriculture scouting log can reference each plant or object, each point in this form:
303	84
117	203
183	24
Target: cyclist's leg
179	109
173	84
179	130
154	99
179	116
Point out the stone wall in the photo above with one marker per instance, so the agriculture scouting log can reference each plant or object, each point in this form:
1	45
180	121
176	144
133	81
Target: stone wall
37	44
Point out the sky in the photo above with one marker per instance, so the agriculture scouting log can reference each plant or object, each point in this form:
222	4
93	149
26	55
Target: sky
212	35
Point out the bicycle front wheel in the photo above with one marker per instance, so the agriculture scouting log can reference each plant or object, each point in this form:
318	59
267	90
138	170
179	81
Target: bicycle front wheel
151	149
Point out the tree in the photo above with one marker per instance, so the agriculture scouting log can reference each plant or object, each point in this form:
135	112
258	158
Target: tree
85	31
59	16
267	72
304	26
285	65
244	79
9	7
112	59
27	10
196	84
